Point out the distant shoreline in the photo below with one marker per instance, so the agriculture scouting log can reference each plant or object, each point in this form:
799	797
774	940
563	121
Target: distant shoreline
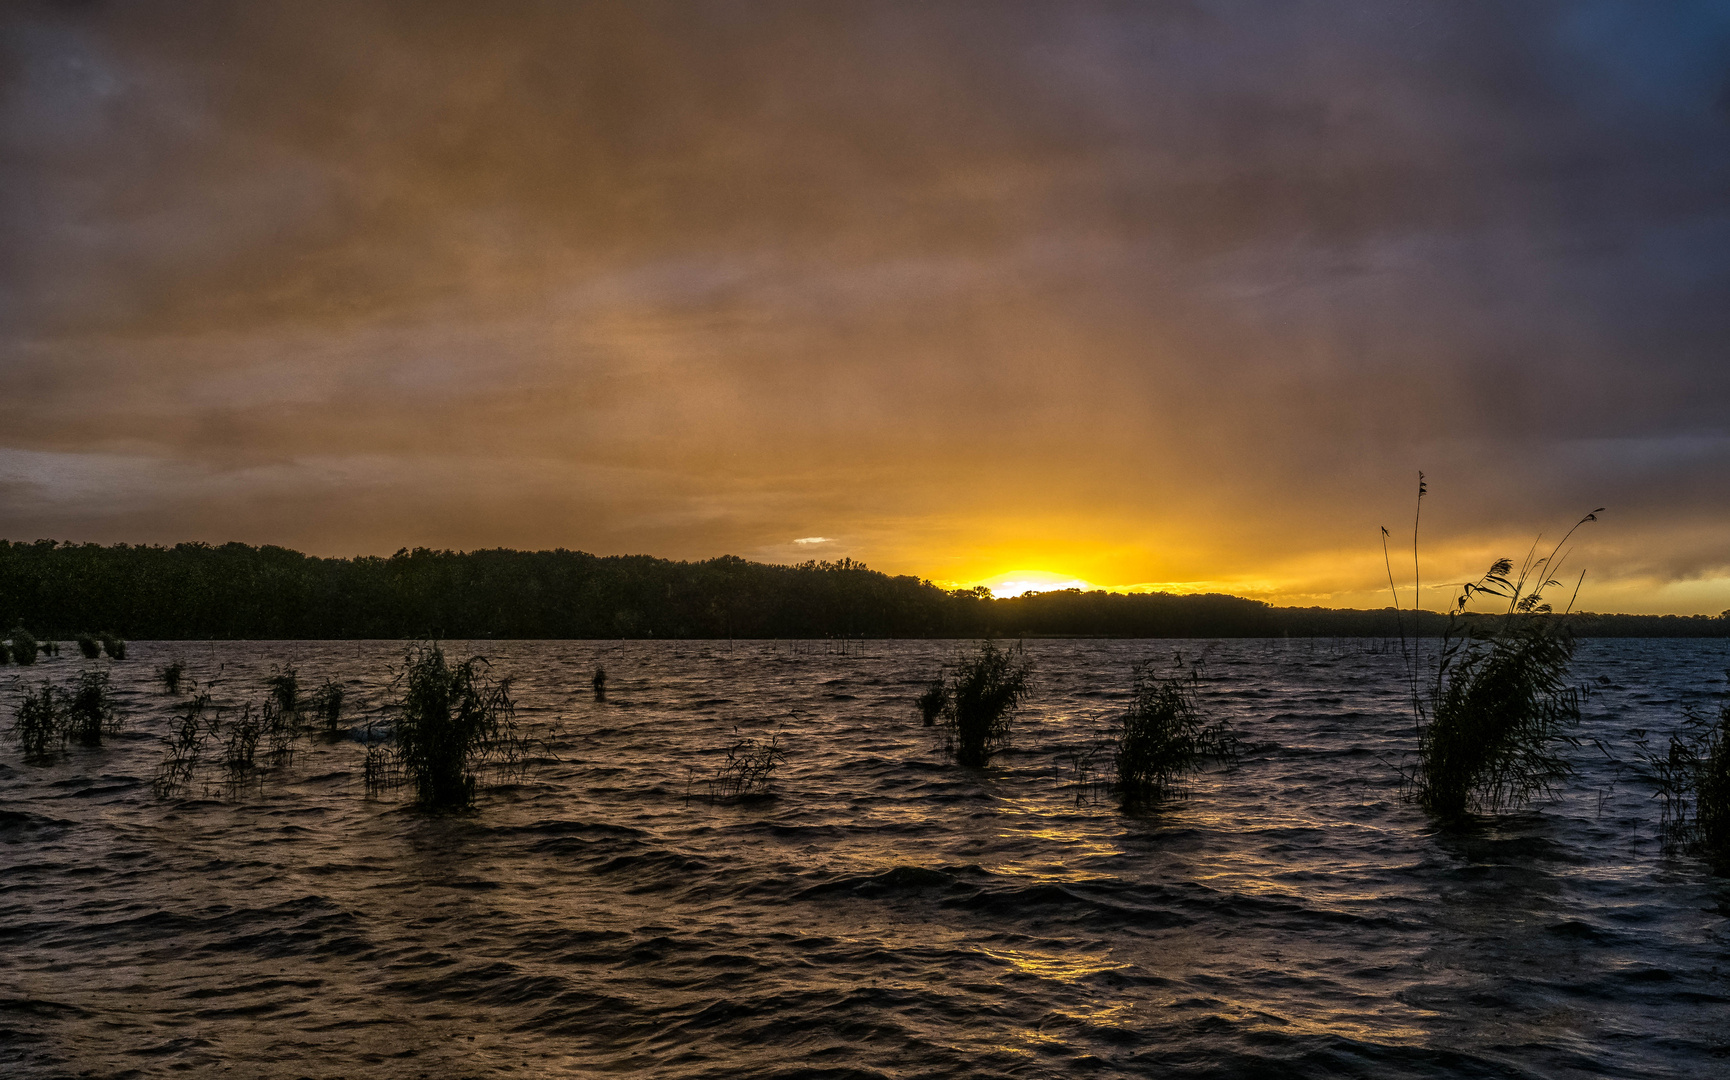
199	592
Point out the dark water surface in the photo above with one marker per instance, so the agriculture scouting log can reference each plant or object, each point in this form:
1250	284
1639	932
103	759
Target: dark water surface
886	914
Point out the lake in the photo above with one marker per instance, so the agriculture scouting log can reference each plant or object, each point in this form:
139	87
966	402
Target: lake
885	913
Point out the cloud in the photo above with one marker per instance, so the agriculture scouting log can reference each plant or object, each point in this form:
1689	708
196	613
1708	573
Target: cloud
1162	292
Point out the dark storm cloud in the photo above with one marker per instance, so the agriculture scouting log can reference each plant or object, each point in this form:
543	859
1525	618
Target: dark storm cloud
1204	281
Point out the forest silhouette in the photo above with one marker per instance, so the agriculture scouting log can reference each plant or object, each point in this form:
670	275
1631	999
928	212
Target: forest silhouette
202	591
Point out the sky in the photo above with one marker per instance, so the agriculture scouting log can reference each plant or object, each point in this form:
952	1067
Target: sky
1150	295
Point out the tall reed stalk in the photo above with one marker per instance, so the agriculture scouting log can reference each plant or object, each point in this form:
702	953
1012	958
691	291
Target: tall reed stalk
1494	709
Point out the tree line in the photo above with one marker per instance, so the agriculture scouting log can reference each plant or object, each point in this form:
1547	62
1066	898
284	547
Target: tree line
203	591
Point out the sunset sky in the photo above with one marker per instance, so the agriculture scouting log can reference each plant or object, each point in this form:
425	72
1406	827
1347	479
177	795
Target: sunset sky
1173	295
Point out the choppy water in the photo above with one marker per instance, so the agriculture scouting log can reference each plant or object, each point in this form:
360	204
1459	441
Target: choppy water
886	914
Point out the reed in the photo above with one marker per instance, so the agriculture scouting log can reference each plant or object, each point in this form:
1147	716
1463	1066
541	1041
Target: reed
1165	739
749	769
37	724
89	711
326	705
933	701
113	646
184	746
980	701
240	746
1495	712
1693	780
284	686
24	647
599	683
450	722
89	647
171	674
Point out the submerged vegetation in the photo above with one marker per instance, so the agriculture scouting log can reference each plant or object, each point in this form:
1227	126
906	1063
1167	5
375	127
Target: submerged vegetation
1494	709
171	674
326	707
1165	739
450	722
749	769
37	725
1693	779
89	646
89	709
24	646
979	699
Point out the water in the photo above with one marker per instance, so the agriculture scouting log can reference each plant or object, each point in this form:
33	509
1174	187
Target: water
886	914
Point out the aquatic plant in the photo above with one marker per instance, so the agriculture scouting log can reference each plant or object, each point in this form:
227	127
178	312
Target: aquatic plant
1693	781
1496	711
24	646
749	769
279	729
1165	738
37	725
113	646
982	695
170	675
184	746
326	706
450	721
599	683
284	685
89	647
240	745
89	710
933	701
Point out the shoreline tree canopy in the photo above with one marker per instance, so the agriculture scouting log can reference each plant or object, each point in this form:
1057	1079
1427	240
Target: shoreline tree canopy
199	591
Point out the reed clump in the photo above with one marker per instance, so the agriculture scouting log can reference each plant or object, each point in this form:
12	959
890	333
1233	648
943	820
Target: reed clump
184	746
284	686
37	724
113	646
171	674
1497	711
89	710
89	646
1693	778
599	683
451	721
5	653
749	769
1165	738
326	707
980	699
24	647
932	701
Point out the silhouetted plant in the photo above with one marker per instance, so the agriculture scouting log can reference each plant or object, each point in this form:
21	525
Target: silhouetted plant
5	653
24	646
983	694
184	746
240	746
1165	738
170	675
327	707
284	684
1496	711
933	701
37	724
450	721
89	647
749	769
1693	777
113	646
599	683
89	710
279	729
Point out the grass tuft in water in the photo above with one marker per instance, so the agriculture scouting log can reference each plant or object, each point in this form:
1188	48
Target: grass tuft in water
326	707
1497	711
1693	778
451	721
599	683
1165	738
980	700
184	746
89	710
89	646
24	647
37	724
171	674
933	701
284	686
113	646
749	769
